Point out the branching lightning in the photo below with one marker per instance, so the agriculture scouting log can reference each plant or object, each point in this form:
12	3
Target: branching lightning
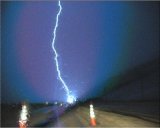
70	98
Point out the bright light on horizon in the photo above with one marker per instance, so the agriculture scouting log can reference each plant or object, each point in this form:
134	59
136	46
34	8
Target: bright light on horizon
71	99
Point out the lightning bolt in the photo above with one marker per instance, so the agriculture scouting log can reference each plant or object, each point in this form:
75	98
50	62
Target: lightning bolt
70	98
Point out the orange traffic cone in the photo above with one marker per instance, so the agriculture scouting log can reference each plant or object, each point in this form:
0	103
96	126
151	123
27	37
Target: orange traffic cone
22	124
23	119
92	116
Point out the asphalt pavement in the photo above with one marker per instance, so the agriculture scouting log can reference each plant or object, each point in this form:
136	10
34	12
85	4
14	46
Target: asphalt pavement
80	117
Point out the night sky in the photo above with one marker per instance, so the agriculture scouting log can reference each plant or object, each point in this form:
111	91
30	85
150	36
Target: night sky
95	41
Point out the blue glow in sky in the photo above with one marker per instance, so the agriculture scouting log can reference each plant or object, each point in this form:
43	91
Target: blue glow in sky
95	41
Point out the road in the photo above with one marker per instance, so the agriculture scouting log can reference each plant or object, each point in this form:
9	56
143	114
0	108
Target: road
79	117
58	116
